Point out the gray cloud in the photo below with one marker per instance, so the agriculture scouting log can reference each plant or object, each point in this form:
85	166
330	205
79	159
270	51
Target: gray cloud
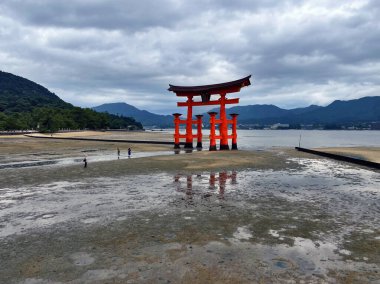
92	52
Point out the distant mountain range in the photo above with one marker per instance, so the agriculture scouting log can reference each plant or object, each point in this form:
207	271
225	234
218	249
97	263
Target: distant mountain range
365	109
145	117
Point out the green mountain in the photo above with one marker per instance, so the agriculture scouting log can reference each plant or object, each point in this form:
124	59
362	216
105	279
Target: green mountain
361	110
145	117
18	94
27	105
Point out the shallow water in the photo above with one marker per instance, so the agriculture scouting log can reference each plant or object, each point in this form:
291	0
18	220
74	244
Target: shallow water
312	224
44	159
253	139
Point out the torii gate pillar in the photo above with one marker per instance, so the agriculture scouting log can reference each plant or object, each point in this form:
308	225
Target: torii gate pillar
223	126
234	131
199	130
177	121
212	131
189	123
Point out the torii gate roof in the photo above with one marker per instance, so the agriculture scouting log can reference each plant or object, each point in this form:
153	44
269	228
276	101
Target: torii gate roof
227	87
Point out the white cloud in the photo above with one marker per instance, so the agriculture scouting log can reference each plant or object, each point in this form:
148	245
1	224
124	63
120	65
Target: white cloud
91	52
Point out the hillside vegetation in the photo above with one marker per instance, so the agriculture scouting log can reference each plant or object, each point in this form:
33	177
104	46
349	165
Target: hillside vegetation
27	105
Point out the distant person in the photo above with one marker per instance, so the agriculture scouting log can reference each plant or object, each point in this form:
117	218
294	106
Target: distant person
129	152
118	153
85	162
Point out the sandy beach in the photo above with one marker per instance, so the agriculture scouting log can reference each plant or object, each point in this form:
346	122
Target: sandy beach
263	216
24	146
116	135
365	153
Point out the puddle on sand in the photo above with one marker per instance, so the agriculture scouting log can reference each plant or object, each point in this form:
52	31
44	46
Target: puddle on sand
45	160
82	258
242	233
38	281
89	202
27	164
282	264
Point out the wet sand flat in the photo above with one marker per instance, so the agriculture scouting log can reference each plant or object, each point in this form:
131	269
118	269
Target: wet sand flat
24	148
277	216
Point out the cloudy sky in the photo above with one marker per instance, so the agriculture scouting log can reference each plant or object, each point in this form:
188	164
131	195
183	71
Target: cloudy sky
91	52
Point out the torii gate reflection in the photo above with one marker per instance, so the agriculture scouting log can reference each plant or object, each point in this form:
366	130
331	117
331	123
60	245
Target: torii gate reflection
215	180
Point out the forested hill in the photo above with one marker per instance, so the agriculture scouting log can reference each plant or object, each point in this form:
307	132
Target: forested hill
27	105
18	94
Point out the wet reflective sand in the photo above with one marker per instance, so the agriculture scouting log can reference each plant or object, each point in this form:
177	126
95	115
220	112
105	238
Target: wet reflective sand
301	219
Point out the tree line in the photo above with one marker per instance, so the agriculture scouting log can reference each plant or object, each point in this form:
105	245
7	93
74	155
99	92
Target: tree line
50	119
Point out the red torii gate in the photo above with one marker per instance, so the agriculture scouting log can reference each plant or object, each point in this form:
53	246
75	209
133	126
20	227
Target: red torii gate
205	92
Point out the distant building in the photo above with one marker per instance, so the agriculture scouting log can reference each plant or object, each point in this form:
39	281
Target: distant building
375	125
307	126
280	126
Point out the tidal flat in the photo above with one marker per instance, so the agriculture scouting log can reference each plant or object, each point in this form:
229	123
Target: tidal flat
274	216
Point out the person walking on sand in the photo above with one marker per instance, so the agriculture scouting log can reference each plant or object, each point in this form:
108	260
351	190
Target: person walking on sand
85	162
129	152
118	153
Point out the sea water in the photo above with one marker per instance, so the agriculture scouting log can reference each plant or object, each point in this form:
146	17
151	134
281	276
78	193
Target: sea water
263	139
253	139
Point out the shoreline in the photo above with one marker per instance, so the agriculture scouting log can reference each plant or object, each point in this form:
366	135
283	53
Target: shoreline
106	140
19	149
347	157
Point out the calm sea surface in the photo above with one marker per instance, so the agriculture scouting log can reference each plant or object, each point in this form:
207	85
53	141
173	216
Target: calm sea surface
253	139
